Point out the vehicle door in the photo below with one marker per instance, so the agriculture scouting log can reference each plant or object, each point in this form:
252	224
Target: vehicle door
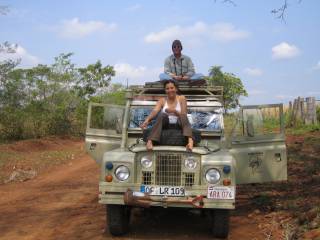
258	144
104	128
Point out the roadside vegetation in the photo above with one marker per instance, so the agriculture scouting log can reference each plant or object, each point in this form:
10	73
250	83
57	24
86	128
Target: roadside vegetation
52	99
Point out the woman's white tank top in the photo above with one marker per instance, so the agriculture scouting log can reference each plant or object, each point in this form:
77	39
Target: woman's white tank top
172	118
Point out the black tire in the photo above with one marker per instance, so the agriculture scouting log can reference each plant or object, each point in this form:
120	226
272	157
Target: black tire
220	222
118	217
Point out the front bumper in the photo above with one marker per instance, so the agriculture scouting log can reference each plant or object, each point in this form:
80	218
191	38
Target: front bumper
196	197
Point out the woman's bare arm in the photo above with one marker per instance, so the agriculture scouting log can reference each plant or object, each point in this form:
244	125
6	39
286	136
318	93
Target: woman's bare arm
183	104
153	113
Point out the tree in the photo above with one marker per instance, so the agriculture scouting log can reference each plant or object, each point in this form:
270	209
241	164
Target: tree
114	95
93	79
277	12
12	101
7	65
233	88
51	99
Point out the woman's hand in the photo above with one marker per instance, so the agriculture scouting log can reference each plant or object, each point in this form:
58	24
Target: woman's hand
144	124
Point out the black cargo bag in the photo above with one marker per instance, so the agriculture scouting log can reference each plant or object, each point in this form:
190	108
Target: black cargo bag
173	137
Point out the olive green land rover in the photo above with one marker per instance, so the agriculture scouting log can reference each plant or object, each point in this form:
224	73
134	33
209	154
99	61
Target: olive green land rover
247	147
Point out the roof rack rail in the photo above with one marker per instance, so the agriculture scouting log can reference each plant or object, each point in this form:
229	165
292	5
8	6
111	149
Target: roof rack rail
191	89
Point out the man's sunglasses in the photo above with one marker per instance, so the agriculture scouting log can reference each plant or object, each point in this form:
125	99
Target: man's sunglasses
176	47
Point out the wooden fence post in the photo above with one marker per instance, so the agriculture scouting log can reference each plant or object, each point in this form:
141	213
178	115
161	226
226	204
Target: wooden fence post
299	110
311	113
294	112
290	106
302	111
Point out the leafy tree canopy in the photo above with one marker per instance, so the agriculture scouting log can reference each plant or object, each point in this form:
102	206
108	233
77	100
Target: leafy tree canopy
51	99
93	79
233	88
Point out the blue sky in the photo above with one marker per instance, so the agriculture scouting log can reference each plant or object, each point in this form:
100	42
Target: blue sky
276	60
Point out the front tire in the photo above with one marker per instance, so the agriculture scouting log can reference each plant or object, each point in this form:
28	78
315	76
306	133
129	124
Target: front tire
118	217
220	222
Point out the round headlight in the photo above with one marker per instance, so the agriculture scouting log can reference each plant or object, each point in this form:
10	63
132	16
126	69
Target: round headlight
146	162
190	162
212	175
122	173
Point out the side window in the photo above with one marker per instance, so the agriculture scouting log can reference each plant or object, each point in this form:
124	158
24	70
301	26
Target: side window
259	121
108	118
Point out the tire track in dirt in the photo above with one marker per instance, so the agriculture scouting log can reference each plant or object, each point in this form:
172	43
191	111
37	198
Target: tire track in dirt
63	204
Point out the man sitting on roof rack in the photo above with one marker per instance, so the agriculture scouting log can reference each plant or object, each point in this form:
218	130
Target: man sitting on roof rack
178	66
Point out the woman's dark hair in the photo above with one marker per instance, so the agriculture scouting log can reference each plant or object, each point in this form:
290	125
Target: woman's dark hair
174	82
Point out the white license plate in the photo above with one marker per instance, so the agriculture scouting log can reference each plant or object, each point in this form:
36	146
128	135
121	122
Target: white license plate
163	190
220	192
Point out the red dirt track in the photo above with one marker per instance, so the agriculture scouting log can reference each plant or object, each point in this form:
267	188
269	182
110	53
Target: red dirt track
62	203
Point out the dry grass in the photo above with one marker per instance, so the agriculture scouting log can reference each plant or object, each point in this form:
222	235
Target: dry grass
37	155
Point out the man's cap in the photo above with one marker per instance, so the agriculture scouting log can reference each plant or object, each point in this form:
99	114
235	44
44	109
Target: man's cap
176	43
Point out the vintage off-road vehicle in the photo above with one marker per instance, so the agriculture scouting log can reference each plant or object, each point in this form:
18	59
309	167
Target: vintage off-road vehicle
250	149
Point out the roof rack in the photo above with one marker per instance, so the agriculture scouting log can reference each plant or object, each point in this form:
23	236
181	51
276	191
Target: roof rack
191	89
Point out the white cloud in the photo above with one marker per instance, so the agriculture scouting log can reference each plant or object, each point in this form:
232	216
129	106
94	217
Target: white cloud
73	28
27	59
136	74
227	32
223	32
133	8
126	70
317	66
285	51
253	71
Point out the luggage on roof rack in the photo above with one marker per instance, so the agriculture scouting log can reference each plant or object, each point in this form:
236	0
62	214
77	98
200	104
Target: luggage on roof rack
190	89
181	83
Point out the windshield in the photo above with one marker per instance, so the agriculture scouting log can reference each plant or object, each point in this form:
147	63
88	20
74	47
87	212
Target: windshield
199	118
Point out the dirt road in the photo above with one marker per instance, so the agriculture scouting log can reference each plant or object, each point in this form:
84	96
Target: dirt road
62	203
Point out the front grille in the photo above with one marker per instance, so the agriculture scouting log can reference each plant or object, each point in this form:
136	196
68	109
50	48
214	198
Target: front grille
188	179
168	169
147	178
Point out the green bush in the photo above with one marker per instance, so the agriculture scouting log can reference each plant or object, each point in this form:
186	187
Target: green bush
52	100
